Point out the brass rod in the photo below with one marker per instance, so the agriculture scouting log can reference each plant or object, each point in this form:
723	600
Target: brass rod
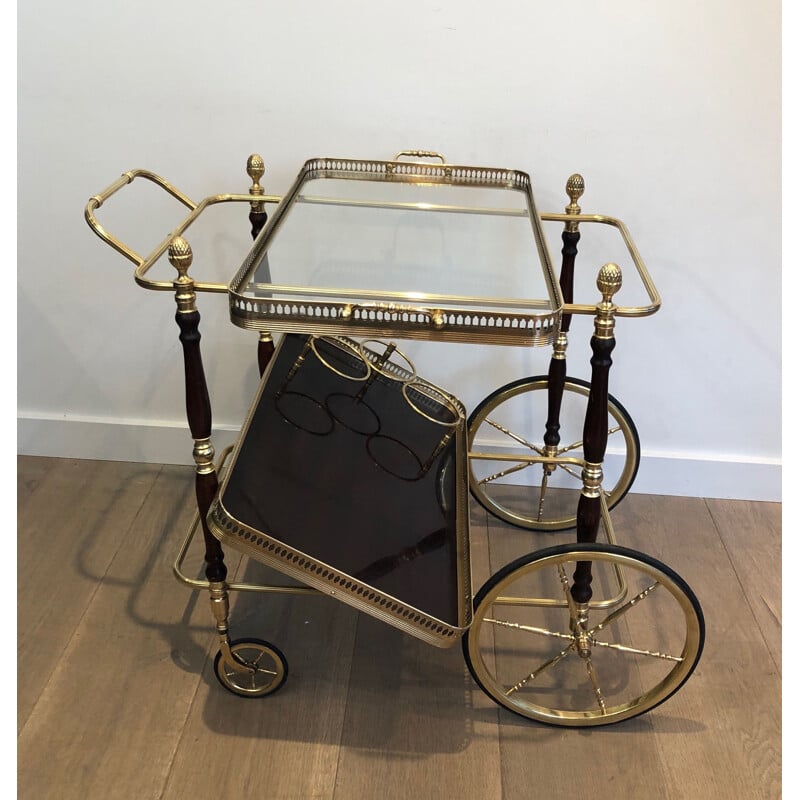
147	263
421	206
478	456
406	297
195	583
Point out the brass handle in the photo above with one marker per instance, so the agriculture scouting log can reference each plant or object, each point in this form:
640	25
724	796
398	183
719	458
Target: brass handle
641	269
420	154
127	177
143	264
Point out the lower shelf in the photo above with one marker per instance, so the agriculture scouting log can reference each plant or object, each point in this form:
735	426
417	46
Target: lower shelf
355	488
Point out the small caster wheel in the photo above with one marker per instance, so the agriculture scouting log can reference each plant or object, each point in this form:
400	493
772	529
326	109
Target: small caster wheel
260	668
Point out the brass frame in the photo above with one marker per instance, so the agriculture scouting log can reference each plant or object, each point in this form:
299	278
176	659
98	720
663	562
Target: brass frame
399	171
394	170
426	318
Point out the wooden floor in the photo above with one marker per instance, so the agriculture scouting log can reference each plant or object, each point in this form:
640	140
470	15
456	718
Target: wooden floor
117	698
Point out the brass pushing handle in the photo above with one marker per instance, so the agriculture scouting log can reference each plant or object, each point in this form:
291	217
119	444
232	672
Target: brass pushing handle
420	154
127	177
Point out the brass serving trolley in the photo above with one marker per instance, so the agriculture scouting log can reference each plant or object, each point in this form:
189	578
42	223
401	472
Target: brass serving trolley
352	473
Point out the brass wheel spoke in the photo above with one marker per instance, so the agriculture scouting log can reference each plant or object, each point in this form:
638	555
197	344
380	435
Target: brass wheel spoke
527	628
573	446
249	665
539	670
257	668
515	436
542	490
596	685
637	651
564	580
571	471
505	472
615	615
579	443
253	668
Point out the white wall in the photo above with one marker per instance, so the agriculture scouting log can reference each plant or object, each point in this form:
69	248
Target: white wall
670	110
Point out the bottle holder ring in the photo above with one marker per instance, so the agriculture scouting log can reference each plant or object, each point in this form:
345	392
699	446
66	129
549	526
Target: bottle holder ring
428	401
347	346
383	364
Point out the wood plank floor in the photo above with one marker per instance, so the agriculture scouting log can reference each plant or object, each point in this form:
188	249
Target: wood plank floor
117	698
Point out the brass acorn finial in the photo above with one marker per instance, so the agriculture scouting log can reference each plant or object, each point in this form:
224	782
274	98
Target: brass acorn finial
609	280
575	187
180	255
255	167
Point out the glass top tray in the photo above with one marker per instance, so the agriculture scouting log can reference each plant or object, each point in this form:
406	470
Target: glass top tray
354	487
415	250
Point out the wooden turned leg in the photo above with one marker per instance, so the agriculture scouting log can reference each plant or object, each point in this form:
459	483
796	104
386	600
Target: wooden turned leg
198	405
258	219
266	349
557	372
595	430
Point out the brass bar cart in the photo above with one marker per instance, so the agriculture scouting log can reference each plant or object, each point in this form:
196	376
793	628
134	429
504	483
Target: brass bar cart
352	473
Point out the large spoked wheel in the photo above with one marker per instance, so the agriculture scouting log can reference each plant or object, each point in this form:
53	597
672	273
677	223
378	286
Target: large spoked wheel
259	669
537	496
536	652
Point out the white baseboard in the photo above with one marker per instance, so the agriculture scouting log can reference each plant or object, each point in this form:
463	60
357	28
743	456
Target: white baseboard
725	478
113	439
687	475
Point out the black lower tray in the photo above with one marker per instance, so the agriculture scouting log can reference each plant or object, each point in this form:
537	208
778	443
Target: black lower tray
362	497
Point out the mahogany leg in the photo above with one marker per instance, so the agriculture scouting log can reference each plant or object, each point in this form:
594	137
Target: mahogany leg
557	372
558	362
595	430
266	349
198	405
258	219
198	413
